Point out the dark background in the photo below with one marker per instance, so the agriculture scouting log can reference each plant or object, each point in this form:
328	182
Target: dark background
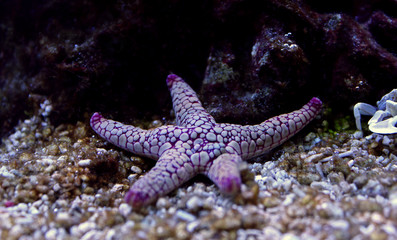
248	60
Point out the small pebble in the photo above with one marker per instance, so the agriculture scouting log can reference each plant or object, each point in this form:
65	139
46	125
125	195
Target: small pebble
271	232
185	216
51	234
386	140
340	224
85	227
125	209
136	169
63	219
85	163
194	203
5	173
290	236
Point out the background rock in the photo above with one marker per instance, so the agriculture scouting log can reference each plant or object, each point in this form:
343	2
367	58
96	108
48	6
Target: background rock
251	59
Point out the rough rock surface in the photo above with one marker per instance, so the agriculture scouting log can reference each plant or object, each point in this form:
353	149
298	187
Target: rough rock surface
255	57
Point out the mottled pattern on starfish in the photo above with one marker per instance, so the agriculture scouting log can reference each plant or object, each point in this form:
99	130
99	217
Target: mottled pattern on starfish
197	144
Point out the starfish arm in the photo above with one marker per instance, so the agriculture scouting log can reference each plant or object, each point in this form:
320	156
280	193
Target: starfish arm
128	137
225	173
287	125
257	139
188	109
171	170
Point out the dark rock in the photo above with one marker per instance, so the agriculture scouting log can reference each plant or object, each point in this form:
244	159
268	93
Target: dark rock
262	57
295	50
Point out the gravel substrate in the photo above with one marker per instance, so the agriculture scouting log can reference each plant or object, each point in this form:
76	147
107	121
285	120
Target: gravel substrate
65	183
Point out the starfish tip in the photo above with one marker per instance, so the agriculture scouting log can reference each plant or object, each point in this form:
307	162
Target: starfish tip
316	104
230	185
316	101
96	117
136	199
172	78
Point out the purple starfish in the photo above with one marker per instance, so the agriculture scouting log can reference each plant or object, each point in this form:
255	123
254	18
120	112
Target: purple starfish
197	144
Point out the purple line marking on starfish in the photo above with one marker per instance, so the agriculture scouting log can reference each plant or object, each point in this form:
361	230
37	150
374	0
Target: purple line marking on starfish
197	144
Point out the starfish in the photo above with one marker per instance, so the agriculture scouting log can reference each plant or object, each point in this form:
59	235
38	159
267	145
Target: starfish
197	144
